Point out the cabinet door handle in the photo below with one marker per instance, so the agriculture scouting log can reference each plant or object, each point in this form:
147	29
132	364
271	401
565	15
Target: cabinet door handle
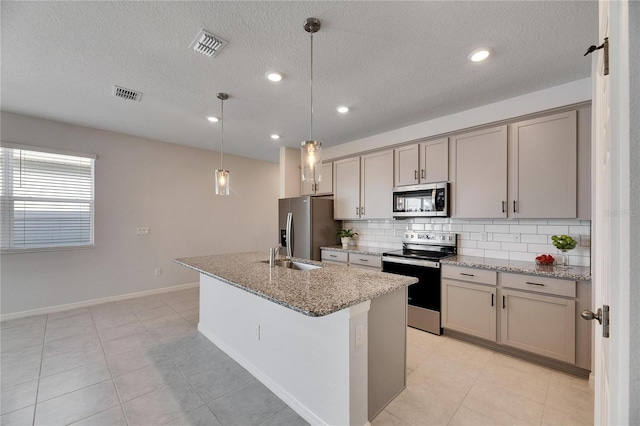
422	174
514	206
364	260
362	211
357	211
503	207
492	299
467	275
504	302
528	282
332	255
415	174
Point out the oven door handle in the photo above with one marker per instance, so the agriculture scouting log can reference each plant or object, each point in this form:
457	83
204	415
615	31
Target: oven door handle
413	262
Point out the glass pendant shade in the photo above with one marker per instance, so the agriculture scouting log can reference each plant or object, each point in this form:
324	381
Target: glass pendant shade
222	175
222	182
311	161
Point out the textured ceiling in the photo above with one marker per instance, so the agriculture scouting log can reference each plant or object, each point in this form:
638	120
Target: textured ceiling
393	63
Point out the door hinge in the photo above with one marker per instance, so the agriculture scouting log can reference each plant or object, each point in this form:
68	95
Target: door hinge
604	46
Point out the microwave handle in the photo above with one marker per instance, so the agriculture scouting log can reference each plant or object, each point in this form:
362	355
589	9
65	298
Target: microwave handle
433	199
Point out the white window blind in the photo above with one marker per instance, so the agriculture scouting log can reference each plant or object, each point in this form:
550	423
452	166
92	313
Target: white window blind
46	200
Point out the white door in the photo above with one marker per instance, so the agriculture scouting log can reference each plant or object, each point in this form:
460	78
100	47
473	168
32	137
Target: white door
610	253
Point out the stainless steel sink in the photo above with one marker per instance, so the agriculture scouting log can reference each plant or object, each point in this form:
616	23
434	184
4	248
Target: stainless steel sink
291	264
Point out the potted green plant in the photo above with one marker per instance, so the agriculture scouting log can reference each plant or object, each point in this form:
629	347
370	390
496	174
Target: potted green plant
345	236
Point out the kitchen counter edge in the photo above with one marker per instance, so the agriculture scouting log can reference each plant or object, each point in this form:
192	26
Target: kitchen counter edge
285	289
580	273
375	251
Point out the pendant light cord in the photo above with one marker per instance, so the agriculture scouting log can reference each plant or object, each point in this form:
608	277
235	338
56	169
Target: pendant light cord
311	81
222	128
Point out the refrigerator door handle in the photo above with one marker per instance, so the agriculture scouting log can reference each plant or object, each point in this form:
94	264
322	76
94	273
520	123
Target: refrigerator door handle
289	223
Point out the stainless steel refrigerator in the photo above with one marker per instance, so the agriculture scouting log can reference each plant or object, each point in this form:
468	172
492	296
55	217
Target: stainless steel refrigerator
306	224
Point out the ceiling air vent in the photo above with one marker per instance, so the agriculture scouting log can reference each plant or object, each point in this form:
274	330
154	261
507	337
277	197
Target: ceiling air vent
207	43
128	94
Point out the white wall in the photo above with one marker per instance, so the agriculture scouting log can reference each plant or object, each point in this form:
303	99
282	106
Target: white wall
634	255
140	182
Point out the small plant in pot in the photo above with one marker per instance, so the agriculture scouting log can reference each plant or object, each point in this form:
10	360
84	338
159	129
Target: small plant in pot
345	236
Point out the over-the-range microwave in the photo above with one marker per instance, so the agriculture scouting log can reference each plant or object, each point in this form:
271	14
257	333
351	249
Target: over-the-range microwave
426	200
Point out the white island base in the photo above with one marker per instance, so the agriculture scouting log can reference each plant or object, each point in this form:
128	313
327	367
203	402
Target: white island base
330	369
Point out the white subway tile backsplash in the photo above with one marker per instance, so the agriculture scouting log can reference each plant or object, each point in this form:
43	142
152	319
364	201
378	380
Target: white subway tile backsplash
502	237
471	252
553	229
579	230
496	254
467	244
517	239
542	248
489	245
514	247
527	257
473	228
496	228
523	229
534	238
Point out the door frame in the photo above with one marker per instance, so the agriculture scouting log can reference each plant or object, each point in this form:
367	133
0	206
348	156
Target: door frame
611	259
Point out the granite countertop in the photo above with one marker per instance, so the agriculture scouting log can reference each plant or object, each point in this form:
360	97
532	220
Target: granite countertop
314	293
580	273
376	251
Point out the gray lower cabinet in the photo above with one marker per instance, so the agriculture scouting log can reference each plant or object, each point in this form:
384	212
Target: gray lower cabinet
530	313
356	260
469	308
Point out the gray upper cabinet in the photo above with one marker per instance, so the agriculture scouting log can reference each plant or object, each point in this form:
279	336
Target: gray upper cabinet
324	187
426	162
526	170
363	186
543	167
480	177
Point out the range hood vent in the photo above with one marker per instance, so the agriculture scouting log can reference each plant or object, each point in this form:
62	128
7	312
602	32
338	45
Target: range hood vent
127	94
207	43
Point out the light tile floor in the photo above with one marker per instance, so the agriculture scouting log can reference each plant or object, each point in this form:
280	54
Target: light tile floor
134	362
142	362
457	383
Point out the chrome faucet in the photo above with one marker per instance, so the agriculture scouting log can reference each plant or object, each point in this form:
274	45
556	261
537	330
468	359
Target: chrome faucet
273	254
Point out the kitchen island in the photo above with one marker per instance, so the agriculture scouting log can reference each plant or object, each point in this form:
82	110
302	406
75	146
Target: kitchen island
330	342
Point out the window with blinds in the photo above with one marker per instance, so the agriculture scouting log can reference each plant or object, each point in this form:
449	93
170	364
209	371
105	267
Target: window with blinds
46	200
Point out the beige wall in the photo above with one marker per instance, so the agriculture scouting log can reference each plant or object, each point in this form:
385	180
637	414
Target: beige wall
140	183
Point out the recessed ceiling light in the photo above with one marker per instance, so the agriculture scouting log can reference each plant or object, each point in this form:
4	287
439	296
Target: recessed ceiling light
479	55
213	119
342	109
274	136
274	76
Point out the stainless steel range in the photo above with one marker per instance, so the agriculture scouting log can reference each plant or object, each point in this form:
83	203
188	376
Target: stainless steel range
420	258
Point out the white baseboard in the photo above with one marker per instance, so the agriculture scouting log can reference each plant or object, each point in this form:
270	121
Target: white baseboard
274	387
85	303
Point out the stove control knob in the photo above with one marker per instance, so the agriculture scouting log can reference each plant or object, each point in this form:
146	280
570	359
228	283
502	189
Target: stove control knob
450	238
411	235
442	238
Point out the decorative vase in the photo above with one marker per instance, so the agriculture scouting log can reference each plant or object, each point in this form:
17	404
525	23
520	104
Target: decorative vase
563	261
345	242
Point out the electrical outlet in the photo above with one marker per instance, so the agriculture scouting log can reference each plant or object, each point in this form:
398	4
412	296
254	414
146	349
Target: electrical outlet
516	238
158	272
483	236
257	331
142	231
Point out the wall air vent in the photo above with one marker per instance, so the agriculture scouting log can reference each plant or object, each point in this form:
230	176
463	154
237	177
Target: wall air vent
207	43
128	94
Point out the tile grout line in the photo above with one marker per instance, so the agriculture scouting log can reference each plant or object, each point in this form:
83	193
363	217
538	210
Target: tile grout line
106	360
35	402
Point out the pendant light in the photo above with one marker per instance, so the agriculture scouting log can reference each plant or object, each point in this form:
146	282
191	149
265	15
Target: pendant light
310	158
222	175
